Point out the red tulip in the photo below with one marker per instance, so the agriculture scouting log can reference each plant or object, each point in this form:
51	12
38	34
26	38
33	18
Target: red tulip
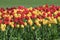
1	21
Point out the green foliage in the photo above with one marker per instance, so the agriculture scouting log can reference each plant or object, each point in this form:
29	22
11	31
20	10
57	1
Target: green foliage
42	33
27	3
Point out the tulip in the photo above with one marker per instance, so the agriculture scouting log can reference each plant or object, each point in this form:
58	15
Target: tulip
0	21
45	22
55	21
17	25
56	12
30	8
22	26
29	14
3	26
15	11
25	23
30	21
33	28
49	25
58	19
12	25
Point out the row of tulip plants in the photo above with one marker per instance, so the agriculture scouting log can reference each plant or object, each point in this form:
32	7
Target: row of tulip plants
38	23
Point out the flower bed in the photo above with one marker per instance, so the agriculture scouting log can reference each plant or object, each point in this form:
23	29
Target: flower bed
39	23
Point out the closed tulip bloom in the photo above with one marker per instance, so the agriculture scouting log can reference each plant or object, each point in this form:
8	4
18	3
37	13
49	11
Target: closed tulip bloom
3	27
17	25
33	28
55	21
25	23
16	15
58	19
49	25
39	25
15	10
29	14
30	21
22	26
0	13
19	15
56	12
30	8
45	22
12	25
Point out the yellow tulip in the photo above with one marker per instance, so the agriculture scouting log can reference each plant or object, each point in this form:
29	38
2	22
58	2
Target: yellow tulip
10	16
16	15
0	13
22	26
37	19
25	24
29	14
17	25
39	25
33	28
12	25
19	15
30	21
55	21
45	22
36	12
48	12
56	12
15	10
30	8
49	25
44	5
58	19
3	26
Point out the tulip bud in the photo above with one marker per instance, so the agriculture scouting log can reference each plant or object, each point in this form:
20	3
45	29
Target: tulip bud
33	28
25	24
3	26
22	26
17	25
30	22
12	25
55	21
30	8
49	25
58	19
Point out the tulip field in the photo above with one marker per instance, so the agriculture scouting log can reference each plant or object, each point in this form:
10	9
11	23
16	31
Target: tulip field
29	20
